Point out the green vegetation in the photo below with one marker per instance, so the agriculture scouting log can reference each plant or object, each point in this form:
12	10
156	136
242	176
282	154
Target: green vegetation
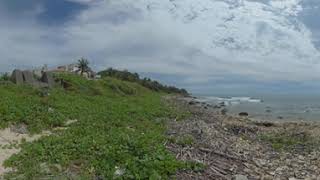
117	134
288	141
185	140
4	77
146	82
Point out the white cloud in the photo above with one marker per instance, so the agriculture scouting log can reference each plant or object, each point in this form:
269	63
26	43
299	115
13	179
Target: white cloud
289	7
83	1
196	39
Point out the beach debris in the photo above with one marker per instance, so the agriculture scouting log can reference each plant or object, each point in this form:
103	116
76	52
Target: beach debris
232	147
240	177
265	124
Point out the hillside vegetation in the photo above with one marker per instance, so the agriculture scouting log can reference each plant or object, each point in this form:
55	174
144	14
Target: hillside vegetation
119	130
146	82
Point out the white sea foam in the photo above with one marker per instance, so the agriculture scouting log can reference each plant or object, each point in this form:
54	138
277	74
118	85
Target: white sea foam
230	100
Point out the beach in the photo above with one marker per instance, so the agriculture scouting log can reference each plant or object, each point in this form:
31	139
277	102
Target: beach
234	147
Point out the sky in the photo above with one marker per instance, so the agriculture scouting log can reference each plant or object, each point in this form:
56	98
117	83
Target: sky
205	46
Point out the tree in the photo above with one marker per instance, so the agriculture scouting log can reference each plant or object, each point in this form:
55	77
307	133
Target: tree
83	65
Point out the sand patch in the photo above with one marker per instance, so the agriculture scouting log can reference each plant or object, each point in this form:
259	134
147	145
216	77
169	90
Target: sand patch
9	141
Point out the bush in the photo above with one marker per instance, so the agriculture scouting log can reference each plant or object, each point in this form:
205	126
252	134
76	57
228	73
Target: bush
5	77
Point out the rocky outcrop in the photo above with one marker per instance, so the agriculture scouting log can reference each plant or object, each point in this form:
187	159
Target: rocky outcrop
47	77
27	77
17	77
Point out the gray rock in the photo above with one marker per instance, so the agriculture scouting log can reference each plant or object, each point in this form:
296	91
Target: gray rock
17	77
47	77
240	177
19	128
28	77
243	114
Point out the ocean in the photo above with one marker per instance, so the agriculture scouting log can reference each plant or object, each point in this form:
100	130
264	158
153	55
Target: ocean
270	107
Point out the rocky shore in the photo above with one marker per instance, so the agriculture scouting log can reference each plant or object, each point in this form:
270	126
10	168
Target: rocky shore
239	148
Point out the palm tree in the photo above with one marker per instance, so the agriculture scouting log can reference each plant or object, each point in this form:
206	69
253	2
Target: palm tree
83	65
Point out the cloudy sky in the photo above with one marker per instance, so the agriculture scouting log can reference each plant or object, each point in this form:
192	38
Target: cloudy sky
206	46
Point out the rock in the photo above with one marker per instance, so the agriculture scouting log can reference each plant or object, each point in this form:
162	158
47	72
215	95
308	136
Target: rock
47	77
192	103
17	77
224	111
28	77
243	114
19	129
260	162
222	104
240	177
216	107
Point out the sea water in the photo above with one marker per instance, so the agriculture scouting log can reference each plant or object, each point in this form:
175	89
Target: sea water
270	107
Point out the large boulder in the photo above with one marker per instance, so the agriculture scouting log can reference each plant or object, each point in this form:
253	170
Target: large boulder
17	77
47	77
28	77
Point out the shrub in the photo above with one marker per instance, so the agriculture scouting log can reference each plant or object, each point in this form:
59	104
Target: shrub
5	77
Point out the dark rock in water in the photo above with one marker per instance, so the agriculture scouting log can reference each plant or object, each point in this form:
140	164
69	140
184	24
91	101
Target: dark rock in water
243	114
216	107
28	77
192	103
280	117
222	104
17	77
47	77
268	111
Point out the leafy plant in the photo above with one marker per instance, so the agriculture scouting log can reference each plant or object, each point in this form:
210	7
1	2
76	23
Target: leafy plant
115	135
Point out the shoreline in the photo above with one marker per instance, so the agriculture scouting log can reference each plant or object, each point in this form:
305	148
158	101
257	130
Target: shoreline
194	100
234	147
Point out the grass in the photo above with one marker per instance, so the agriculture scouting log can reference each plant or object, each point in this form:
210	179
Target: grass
116	136
184	140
